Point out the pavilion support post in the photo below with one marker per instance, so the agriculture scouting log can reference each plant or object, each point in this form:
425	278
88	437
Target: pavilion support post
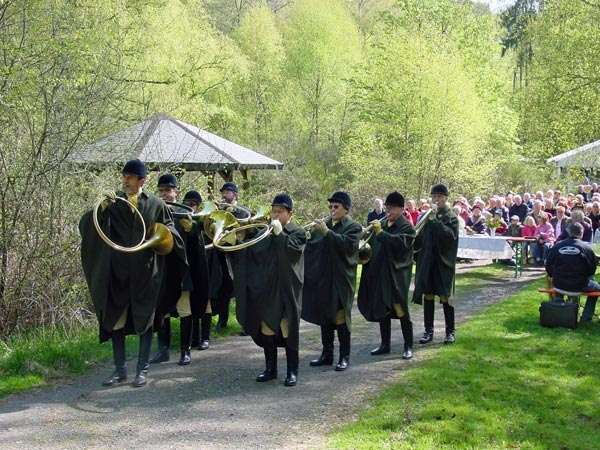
246	181
210	185
226	174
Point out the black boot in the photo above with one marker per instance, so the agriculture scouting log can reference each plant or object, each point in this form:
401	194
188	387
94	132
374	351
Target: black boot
223	316
326	358
185	324
143	355
449	318
428	310
195	331
291	356
344	338
205	331
270	348
385	329
120	373
164	342
407	334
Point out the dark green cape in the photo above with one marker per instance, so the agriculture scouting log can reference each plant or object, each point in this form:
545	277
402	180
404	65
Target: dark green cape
330	272
268	279
435	251
385	279
118	281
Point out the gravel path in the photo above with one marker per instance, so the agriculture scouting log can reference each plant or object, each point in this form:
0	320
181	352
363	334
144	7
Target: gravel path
215	403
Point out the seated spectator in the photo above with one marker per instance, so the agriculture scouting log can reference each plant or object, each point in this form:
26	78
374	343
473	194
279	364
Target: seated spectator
527	200
424	208
476	223
571	264
545	238
529	227
560	221
496	224
594	216
411	207
461	222
515	228
549	207
377	213
537	211
518	208
578	217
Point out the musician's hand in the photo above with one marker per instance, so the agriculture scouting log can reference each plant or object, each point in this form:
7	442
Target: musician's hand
109	198
230	209
376	227
321	226
187	224
240	236
277	227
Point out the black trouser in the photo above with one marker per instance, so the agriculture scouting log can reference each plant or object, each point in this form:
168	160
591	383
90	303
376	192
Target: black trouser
385	328
428	312
144	350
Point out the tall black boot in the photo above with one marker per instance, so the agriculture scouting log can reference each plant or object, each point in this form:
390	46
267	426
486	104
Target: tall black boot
205	331
185	324
407	334
428	310
344	338
223	315
291	355
449	318
385	329
120	373
270	348
195	331
143	355
326	358
164	342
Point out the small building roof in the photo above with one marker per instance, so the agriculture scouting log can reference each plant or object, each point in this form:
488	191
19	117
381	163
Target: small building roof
163	140
586	157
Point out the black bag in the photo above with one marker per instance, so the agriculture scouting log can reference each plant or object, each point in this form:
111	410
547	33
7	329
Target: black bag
557	313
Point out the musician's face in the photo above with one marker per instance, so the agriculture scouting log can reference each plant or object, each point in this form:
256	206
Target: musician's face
168	193
282	214
393	213
439	199
228	196
192	204
132	183
337	211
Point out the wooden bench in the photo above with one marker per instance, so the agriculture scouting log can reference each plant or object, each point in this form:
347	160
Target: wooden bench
571	296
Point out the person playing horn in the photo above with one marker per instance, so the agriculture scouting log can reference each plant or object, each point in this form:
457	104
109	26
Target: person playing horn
125	286
385	279
331	258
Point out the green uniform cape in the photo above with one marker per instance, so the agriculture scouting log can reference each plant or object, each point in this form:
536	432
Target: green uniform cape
330	262
435	250
385	279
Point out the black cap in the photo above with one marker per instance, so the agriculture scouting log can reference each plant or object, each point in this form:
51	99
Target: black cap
135	167
229	186
395	199
283	200
439	189
168	179
193	196
341	197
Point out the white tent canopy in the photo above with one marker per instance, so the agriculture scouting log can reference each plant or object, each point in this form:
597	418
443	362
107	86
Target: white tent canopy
162	140
586	157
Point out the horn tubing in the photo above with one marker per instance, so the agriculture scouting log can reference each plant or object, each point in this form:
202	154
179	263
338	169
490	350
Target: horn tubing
107	240
251	242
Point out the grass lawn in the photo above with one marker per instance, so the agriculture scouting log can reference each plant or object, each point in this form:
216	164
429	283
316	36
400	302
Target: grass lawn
506	383
33	360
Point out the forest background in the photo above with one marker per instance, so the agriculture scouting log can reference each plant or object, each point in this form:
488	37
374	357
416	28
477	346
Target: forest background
362	95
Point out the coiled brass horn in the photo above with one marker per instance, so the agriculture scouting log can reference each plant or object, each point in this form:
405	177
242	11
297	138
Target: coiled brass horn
228	234
161	240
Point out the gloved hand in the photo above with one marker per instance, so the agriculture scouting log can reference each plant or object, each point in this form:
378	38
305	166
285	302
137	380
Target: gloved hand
321	226
109	198
377	227
277	227
187	224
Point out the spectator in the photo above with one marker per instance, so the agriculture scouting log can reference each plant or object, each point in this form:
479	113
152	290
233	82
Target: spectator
411	207
577	216
549	207
595	216
571	264
496	224
461	223
476	223
529	227
560	221
537	211
515	228
527	200
518	208
545	238
377	213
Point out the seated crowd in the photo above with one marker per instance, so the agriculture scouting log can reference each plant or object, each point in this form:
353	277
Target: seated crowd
543	217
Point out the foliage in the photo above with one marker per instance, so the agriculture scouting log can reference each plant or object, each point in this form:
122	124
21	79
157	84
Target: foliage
506	383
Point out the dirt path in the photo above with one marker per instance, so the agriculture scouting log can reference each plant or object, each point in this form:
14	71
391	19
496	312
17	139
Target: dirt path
215	402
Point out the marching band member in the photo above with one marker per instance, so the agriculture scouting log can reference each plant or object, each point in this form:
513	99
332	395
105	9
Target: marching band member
436	248
125	286
268	280
385	279
331	257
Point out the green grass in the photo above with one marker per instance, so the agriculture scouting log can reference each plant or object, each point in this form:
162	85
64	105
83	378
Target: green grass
481	275
38	358
506	383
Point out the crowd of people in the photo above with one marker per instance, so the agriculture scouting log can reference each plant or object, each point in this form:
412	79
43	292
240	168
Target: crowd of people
542	216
